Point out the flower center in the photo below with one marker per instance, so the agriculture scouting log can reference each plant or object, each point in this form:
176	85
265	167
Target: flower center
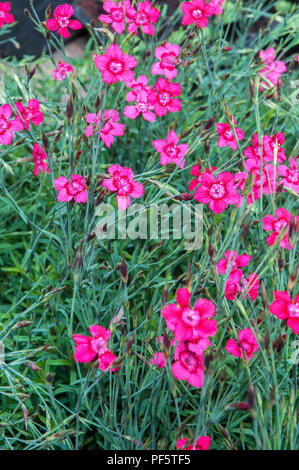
142	107
229	134
217	191
247	347
171	150
293	310
141	18
107	128
115	66
63	21
98	345
117	14
4	125
197	13
190	317
189	361
279	225
164	98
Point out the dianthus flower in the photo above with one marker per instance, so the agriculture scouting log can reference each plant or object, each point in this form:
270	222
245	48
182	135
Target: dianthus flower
115	65
198	11
171	151
290	176
167	55
5	16
277	225
68	190
274	69
122	181
145	17
142	106
202	443
62	70
7	125
186	322
162	98
89	347
217	193
40	160
196	171
30	114
232	261
188	366
109	130
237	284
61	21
226	136
285	309
245	347
115	15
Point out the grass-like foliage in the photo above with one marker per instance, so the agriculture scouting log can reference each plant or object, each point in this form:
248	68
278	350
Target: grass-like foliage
58	278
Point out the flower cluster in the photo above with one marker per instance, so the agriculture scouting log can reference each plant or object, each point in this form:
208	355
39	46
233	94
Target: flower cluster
192	327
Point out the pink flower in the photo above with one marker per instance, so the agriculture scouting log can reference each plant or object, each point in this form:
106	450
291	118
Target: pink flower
233	261
195	171
76	189
217	193
63	69
276	225
40	160
143	18
115	65
226	136
5	16
269	144
245	347
7	125
142	106
163	98
290	176
138	85
121	181
216	4
202	443
188	366
61	21
30	114
274	69
170	151
197	11
116	15
89	347
186	322
167	55
237	284
285	309
158	360
109	130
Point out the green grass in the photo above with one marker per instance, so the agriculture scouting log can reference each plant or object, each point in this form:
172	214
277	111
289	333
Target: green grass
45	298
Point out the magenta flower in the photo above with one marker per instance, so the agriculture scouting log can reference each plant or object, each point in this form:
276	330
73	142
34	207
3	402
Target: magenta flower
188	366
269	144
142	107
163	98
202	443
285	309
7	125
89	347
290	176
217	193
115	15
237	284
274	69
187	323
109	130
226	136
167	55
143	18
63	69
232	261
195	171
5	16
171	151
76	189
245	347
197	11
61	21
276	225
30	114
216	4
115	65
40	160
121	181
138	85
